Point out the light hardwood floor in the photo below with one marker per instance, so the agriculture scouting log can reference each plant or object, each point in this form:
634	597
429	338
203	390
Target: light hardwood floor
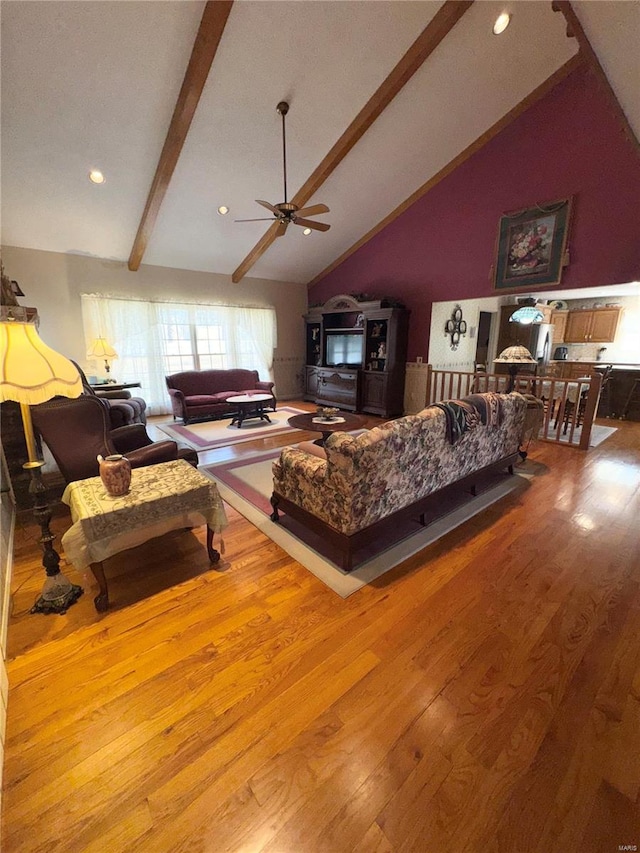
482	696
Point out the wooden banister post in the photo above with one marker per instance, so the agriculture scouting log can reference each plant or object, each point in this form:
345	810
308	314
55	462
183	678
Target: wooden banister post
591	407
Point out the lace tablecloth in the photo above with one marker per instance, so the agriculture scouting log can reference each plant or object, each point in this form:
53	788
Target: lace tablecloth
162	497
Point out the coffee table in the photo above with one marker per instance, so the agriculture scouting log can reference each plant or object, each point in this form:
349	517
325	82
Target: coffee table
249	406
164	497
311	421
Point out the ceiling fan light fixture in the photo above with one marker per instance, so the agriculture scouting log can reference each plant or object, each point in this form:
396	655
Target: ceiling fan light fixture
223	210
502	22
96	176
286	213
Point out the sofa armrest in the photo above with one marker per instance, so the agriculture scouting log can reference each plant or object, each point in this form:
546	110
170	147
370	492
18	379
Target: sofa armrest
297	462
130	437
177	403
267	388
153	454
114	395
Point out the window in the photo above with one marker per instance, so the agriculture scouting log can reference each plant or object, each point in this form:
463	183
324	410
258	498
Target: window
155	339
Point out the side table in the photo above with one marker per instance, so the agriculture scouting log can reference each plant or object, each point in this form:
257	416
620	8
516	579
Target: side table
164	497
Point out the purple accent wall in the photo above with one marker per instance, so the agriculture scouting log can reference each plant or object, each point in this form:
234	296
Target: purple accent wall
442	248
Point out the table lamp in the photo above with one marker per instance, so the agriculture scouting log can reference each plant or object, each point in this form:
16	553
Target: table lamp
101	348
32	373
514	357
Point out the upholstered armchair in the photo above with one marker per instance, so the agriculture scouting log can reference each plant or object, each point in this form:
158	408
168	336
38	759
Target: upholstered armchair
77	430
123	408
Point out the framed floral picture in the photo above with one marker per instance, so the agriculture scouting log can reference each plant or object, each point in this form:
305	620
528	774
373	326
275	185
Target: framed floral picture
532	244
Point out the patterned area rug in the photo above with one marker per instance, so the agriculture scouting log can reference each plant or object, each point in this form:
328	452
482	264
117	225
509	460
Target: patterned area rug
207	435
246	485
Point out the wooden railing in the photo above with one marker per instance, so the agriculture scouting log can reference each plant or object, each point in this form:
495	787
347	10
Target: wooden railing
570	405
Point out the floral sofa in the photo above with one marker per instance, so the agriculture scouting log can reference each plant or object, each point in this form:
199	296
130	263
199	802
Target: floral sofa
204	393
406	469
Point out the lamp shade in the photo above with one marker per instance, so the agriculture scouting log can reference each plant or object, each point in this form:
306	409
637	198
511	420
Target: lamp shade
101	348
515	355
30	371
526	315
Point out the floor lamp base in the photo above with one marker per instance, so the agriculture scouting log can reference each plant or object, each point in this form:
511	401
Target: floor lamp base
58	594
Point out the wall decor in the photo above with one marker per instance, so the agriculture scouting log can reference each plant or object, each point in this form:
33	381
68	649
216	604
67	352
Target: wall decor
532	245
456	327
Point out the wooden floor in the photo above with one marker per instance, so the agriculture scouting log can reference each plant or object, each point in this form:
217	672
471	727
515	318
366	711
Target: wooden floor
482	696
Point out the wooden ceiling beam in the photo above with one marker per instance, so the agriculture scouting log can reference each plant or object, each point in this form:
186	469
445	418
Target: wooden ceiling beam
538	93
575	30
435	31
212	24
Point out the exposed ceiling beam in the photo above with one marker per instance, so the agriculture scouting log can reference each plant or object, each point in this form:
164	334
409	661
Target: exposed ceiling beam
575	30
481	141
214	19
435	31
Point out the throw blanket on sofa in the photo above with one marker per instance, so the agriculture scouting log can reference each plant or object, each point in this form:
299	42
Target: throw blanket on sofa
490	407
461	416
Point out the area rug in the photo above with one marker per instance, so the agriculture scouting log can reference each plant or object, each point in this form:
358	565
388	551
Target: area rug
598	435
246	485
207	435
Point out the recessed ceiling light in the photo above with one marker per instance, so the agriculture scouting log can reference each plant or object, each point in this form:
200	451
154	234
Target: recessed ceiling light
223	210
501	24
306	231
96	176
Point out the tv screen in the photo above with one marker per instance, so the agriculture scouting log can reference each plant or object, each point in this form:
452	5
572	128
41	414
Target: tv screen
344	349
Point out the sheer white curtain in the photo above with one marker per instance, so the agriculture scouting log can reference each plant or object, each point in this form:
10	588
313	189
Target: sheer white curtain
138	332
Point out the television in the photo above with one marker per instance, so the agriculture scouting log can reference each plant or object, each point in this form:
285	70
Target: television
344	350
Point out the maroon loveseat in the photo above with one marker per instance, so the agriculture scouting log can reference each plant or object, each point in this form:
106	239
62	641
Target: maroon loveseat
204	393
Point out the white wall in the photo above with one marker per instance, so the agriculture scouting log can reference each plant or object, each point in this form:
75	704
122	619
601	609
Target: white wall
53	282
441	356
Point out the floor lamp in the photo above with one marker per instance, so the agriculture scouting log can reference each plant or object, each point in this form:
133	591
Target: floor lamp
101	348
514	357
32	373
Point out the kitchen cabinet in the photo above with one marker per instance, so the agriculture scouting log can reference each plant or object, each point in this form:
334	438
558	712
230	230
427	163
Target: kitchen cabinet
577	369
593	325
559	322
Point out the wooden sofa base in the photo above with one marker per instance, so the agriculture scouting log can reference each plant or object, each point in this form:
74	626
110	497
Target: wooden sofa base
427	509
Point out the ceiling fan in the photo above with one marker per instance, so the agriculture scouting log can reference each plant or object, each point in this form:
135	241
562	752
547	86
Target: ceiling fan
285	213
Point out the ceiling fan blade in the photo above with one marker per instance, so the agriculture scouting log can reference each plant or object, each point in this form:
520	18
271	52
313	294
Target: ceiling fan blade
282	228
314	210
262	219
270	207
309	223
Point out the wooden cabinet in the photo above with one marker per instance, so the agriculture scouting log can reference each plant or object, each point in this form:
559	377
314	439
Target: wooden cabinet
356	355
559	322
577	369
338	388
593	325
311	382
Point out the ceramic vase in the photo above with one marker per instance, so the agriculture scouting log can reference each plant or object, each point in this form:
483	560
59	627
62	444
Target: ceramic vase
115	473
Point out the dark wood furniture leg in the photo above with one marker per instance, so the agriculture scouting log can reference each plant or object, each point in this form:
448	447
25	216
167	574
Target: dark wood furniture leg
101	600
214	555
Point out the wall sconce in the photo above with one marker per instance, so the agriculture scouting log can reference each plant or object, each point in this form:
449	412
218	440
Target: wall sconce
456	327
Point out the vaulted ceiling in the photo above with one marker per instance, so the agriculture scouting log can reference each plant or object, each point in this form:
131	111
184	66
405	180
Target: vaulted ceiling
383	96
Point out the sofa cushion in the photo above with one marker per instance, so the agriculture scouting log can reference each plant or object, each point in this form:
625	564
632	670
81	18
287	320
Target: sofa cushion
201	399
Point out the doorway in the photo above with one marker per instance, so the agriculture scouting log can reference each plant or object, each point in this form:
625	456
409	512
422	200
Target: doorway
484	334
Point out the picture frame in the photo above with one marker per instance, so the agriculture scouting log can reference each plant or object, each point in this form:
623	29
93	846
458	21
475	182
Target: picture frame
532	245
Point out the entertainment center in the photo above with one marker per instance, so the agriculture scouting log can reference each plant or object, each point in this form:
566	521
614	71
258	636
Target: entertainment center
356	353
